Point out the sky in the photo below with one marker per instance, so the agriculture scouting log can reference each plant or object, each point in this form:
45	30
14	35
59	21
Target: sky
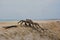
32	9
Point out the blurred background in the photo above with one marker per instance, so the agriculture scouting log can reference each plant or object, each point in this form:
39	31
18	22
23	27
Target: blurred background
32	9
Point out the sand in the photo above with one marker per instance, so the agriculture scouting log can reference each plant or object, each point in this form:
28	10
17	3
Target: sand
27	33
8	23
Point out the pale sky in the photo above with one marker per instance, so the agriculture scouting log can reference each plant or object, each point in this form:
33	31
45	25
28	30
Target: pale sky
33	9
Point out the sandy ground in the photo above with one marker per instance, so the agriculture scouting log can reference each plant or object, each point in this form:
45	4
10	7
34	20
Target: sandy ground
26	33
8	23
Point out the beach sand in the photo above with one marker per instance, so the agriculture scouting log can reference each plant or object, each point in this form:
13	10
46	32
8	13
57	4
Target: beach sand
28	33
